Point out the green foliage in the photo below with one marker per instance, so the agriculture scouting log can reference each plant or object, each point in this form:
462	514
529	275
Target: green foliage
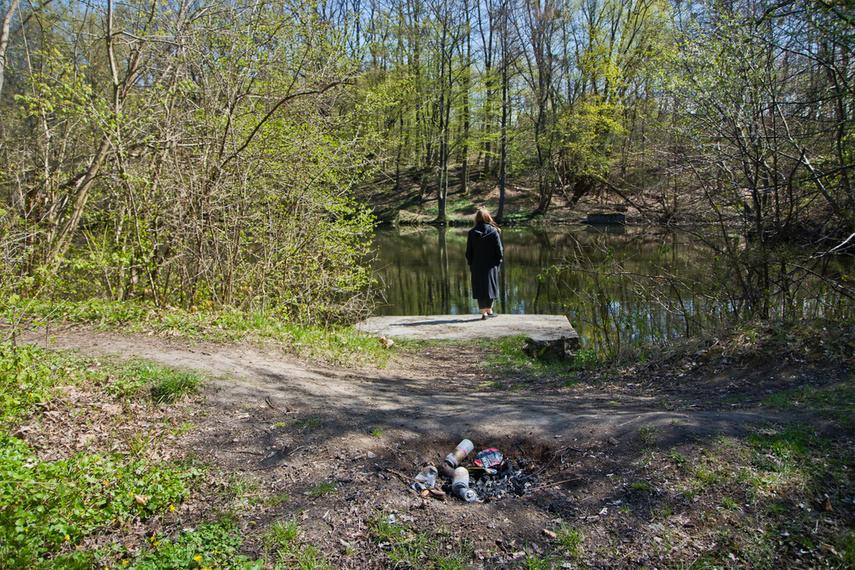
283	537
836	397
342	345
512	356
570	540
536	562
584	359
242	485
26	378
283	534
780	477
791	443
678	458
94	311
50	505
211	545
647	435
309	424
265	222
589	132
50	511
162	384
307	557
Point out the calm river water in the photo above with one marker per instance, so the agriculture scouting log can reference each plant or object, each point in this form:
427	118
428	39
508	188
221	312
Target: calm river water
570	270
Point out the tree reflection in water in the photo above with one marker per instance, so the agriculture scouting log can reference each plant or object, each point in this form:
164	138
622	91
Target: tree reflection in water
618	286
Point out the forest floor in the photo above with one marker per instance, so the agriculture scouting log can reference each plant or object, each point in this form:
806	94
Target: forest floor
649	465
416	201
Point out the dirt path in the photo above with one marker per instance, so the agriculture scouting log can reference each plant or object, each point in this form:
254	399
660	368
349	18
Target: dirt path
289	424
441	394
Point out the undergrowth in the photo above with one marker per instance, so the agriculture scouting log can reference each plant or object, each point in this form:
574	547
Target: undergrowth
51	507
59	513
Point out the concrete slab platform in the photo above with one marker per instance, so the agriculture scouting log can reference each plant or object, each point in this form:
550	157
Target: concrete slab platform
542	328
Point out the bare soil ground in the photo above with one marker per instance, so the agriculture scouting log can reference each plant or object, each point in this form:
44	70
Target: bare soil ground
597	448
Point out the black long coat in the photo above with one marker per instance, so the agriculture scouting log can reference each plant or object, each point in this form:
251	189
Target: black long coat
485	254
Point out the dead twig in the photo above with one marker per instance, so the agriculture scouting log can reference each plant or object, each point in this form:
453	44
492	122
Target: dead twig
403	477
546	485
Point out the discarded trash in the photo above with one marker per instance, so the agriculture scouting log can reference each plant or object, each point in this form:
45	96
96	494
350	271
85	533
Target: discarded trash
460	486
426	479
463	449
490	476
509	480
479	471
488	458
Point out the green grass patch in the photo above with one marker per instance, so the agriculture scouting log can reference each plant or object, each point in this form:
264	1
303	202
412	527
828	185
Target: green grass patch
677	458
283	534
241	485
791	442
29	375
336	344
54	513
164	385
507	353
647	435
788	480
839	396
284	539
322	489
534	561
570	541
410	548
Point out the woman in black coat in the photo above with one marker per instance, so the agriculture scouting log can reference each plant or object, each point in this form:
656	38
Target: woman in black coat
484	254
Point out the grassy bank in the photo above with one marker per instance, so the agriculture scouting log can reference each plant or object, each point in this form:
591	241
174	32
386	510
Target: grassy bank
333	344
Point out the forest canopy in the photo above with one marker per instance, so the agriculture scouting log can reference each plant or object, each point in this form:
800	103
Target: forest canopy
206	153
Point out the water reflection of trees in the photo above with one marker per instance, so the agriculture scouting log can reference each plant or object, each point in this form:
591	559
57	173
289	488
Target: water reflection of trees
618	288
669	284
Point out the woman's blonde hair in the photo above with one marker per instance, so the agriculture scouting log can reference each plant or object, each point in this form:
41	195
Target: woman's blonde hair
482	215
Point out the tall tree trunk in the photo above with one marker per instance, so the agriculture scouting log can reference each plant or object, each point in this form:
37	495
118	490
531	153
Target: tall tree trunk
467	85
4	39
503	160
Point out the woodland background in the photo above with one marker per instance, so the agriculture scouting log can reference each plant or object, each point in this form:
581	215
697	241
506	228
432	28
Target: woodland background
205	154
